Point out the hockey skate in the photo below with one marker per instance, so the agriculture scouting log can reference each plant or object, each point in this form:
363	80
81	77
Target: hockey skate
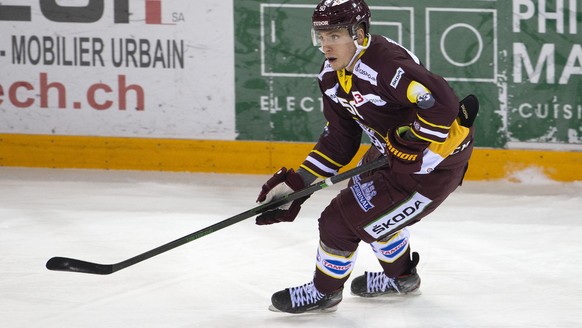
304	298
374	284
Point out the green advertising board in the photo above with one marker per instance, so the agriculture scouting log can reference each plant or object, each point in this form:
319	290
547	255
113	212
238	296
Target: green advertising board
522	58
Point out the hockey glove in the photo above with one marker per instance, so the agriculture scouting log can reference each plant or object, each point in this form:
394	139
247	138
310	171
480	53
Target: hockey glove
404	152
280	184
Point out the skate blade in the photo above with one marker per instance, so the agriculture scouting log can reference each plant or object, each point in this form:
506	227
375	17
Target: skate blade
413	293
326	310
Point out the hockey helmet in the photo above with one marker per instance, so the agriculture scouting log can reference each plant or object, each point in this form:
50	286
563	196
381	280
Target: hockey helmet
333	14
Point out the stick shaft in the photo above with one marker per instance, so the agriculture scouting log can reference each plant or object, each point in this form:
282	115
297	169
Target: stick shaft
253	212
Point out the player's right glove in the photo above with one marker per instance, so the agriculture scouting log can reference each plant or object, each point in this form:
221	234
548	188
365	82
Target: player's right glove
280	184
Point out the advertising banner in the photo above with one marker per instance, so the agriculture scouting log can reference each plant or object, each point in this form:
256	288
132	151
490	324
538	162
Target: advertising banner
147	68
522	58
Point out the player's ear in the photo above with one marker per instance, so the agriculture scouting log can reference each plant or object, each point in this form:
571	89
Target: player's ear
361	35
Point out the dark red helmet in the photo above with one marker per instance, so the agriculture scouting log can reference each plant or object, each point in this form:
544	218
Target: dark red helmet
332	14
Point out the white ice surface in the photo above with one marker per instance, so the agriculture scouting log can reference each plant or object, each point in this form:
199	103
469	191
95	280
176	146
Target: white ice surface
495	254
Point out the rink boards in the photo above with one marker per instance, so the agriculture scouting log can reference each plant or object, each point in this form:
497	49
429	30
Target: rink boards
245	157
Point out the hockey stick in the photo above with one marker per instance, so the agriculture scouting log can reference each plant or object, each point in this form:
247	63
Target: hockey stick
469	108
73	265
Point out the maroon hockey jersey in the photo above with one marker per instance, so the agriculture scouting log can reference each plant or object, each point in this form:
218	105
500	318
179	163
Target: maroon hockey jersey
388	88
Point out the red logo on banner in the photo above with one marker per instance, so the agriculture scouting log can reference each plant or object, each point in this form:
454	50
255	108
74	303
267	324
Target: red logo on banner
153	11
89	13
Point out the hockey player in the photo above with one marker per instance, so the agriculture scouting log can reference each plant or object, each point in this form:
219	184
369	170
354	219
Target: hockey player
372	85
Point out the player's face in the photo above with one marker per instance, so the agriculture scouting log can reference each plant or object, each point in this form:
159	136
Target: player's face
337	45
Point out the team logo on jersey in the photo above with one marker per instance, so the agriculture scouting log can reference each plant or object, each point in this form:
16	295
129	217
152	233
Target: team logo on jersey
364	193
425	101
419	94
397	77
366	73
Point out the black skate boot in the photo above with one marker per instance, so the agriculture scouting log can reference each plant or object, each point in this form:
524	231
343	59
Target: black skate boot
305	298
373	284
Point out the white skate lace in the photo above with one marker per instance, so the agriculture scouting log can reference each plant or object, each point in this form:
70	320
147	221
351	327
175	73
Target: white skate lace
306	294
378	281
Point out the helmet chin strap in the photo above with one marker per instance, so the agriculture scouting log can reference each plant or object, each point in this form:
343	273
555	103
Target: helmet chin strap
360	49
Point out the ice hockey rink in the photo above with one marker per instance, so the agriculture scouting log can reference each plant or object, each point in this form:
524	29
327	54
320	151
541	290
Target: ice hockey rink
495	254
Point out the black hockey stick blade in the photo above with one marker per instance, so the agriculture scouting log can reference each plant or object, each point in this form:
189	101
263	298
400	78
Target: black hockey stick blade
72	265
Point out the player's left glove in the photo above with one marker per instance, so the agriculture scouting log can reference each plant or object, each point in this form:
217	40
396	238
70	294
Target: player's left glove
280	184
404	153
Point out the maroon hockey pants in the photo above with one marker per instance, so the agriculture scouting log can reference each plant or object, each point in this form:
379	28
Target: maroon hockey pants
377	204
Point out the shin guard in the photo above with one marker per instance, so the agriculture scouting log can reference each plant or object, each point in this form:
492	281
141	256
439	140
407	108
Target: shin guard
333	268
